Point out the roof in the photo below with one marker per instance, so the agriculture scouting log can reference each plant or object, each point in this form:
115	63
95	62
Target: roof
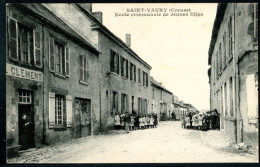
46	15
158	85
189	105
99	25
219	17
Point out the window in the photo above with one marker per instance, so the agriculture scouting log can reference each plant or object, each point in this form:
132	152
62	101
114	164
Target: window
139	76
217	65
221	100
139	105
25	97
230	36
124	67
161	95
224	49
59	109
145	79
145	106
220	58
24	43
153	93
114	102
114	62
123	103
83	69
132	72
133	103
59	57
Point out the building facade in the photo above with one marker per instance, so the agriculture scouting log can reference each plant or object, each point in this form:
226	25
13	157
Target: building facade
161	100
50	81
124	76
233	75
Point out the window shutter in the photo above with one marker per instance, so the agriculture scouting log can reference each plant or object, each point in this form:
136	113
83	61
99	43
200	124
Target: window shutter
116	102
37	48
252	96
111	61
51	110
135	73
87	69
126	68
117	66
67	61
51	54
81	68
122	66
13	39
69	110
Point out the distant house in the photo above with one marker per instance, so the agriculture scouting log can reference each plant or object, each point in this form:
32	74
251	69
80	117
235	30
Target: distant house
190	107
161	100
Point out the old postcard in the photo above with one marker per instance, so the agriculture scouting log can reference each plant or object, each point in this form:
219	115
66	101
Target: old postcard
132	82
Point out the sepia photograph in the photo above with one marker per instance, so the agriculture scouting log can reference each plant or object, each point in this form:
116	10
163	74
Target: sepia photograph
131	83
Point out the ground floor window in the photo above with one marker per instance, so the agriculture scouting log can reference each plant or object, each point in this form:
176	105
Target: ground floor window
59	109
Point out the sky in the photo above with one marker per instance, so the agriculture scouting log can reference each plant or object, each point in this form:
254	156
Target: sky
175	46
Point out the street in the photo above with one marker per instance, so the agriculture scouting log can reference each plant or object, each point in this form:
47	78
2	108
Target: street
168	143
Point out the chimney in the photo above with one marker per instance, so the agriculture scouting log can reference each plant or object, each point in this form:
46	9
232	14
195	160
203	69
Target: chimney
128	40
98	15
86	6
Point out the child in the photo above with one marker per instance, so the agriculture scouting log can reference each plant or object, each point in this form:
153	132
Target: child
117	121
145	122
132	122
152	122
122	120
148	120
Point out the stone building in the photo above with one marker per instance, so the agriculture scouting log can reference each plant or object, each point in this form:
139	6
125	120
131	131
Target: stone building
50	79
233	73
161	100
190	108
124	77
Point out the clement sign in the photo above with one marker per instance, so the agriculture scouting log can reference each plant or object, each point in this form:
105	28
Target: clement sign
20	72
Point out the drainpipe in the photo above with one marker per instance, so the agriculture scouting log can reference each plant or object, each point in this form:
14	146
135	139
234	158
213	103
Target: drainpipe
43	110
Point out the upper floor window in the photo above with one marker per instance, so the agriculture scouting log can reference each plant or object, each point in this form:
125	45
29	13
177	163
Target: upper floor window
132	72
220	57
83	69
145	79
24	43
114	62
224	49
59	57
124	67
230	36
139	76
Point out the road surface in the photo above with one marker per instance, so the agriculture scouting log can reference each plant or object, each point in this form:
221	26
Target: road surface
168	143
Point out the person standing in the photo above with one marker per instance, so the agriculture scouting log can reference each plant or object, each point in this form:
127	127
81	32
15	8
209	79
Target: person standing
117	121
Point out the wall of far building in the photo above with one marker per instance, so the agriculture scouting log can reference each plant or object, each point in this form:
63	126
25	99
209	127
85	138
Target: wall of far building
161	101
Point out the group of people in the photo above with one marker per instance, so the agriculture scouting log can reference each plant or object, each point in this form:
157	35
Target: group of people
201	121
135	121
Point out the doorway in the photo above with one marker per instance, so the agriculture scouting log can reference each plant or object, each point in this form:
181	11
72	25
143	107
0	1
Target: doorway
82	117
26	120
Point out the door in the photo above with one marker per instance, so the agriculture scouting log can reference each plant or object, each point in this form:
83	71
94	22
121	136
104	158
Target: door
26	126
82	118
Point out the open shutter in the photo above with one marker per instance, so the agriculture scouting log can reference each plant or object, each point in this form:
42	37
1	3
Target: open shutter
13	39
69	110
111	61
122	66
37	48
67	61
252	96
126	61
51	54
51	110
87	70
